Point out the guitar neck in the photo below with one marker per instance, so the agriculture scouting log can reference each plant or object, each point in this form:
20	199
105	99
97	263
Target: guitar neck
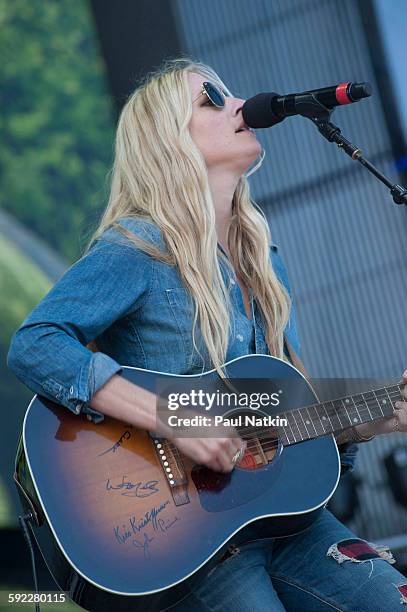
334	416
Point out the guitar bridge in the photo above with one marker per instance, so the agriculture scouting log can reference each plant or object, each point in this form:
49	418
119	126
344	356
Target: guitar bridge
173	468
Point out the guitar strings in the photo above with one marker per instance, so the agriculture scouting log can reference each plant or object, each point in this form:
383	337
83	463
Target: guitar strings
360	409
359	406
356	408
265	433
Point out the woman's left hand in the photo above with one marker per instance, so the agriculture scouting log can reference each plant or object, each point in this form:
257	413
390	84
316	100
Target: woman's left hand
394	423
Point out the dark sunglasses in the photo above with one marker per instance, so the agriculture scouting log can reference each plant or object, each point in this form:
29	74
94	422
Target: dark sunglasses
213	93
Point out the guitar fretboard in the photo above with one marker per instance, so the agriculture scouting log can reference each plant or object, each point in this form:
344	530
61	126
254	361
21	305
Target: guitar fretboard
336	415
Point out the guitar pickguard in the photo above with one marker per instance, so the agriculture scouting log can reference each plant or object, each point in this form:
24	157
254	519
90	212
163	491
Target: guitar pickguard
251	478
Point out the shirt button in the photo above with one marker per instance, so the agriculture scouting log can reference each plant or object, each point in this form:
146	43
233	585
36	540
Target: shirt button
239	337
71	390
232	281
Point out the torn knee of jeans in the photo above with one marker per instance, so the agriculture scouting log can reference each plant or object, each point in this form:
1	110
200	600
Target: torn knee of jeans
402	589
359	551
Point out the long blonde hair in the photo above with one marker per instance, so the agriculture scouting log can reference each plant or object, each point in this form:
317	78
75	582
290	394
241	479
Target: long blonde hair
159	174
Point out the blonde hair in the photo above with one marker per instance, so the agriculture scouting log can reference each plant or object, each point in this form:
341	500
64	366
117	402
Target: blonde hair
160	175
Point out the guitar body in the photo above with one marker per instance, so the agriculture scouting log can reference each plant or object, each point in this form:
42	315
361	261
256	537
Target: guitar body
116	535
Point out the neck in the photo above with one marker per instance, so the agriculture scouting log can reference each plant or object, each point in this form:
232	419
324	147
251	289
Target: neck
222	188
336	415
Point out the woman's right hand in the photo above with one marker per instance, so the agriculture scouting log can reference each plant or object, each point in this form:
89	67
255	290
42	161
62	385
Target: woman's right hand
213	446
118	399
215	453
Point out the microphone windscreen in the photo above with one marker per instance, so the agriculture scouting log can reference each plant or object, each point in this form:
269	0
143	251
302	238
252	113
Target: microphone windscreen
357	91
257	111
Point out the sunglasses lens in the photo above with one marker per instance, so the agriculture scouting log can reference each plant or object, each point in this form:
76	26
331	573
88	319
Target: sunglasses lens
215	96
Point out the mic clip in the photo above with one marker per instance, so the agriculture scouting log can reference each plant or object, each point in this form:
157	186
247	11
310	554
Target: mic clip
308	106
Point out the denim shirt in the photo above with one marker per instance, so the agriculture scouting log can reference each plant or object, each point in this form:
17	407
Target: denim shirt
140	314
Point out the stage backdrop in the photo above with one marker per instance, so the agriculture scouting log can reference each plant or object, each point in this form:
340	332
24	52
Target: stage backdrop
341	236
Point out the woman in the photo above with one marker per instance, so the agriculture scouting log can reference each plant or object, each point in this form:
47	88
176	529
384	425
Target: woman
180	278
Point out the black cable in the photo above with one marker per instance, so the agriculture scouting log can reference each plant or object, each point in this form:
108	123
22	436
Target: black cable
22	520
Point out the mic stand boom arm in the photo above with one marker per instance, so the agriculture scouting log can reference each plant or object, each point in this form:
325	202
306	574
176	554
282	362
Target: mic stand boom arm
320	115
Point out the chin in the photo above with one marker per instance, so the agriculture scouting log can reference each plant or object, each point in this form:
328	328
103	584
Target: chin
253	158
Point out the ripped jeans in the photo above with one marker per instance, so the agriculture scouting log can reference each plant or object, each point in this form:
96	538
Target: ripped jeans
312	571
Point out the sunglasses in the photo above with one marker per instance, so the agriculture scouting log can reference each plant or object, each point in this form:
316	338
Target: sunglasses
213	93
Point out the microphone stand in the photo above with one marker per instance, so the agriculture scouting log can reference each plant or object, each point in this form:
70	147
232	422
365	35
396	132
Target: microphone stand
320	115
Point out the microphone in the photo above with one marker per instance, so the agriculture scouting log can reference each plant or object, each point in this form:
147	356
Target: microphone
267	109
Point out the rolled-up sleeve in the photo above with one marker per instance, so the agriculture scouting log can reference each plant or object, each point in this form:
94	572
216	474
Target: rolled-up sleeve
48	352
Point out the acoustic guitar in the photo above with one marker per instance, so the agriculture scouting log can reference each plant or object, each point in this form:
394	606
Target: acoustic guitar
125	522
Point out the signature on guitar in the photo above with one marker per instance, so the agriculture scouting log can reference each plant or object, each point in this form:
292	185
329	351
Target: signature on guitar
144	545
125	436
140	489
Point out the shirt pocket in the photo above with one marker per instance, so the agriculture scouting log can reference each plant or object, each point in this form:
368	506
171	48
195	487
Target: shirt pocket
183	309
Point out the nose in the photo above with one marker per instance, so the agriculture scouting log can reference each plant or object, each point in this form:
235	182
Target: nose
236	105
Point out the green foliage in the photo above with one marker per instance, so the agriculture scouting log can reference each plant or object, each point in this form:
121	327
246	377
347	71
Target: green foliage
56	135
22	286
56	125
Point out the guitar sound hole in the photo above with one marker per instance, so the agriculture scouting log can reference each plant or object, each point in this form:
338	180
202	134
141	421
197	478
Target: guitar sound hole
262	447
262	440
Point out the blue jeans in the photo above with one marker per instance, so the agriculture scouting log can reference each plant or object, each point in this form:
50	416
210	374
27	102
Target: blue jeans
295	573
